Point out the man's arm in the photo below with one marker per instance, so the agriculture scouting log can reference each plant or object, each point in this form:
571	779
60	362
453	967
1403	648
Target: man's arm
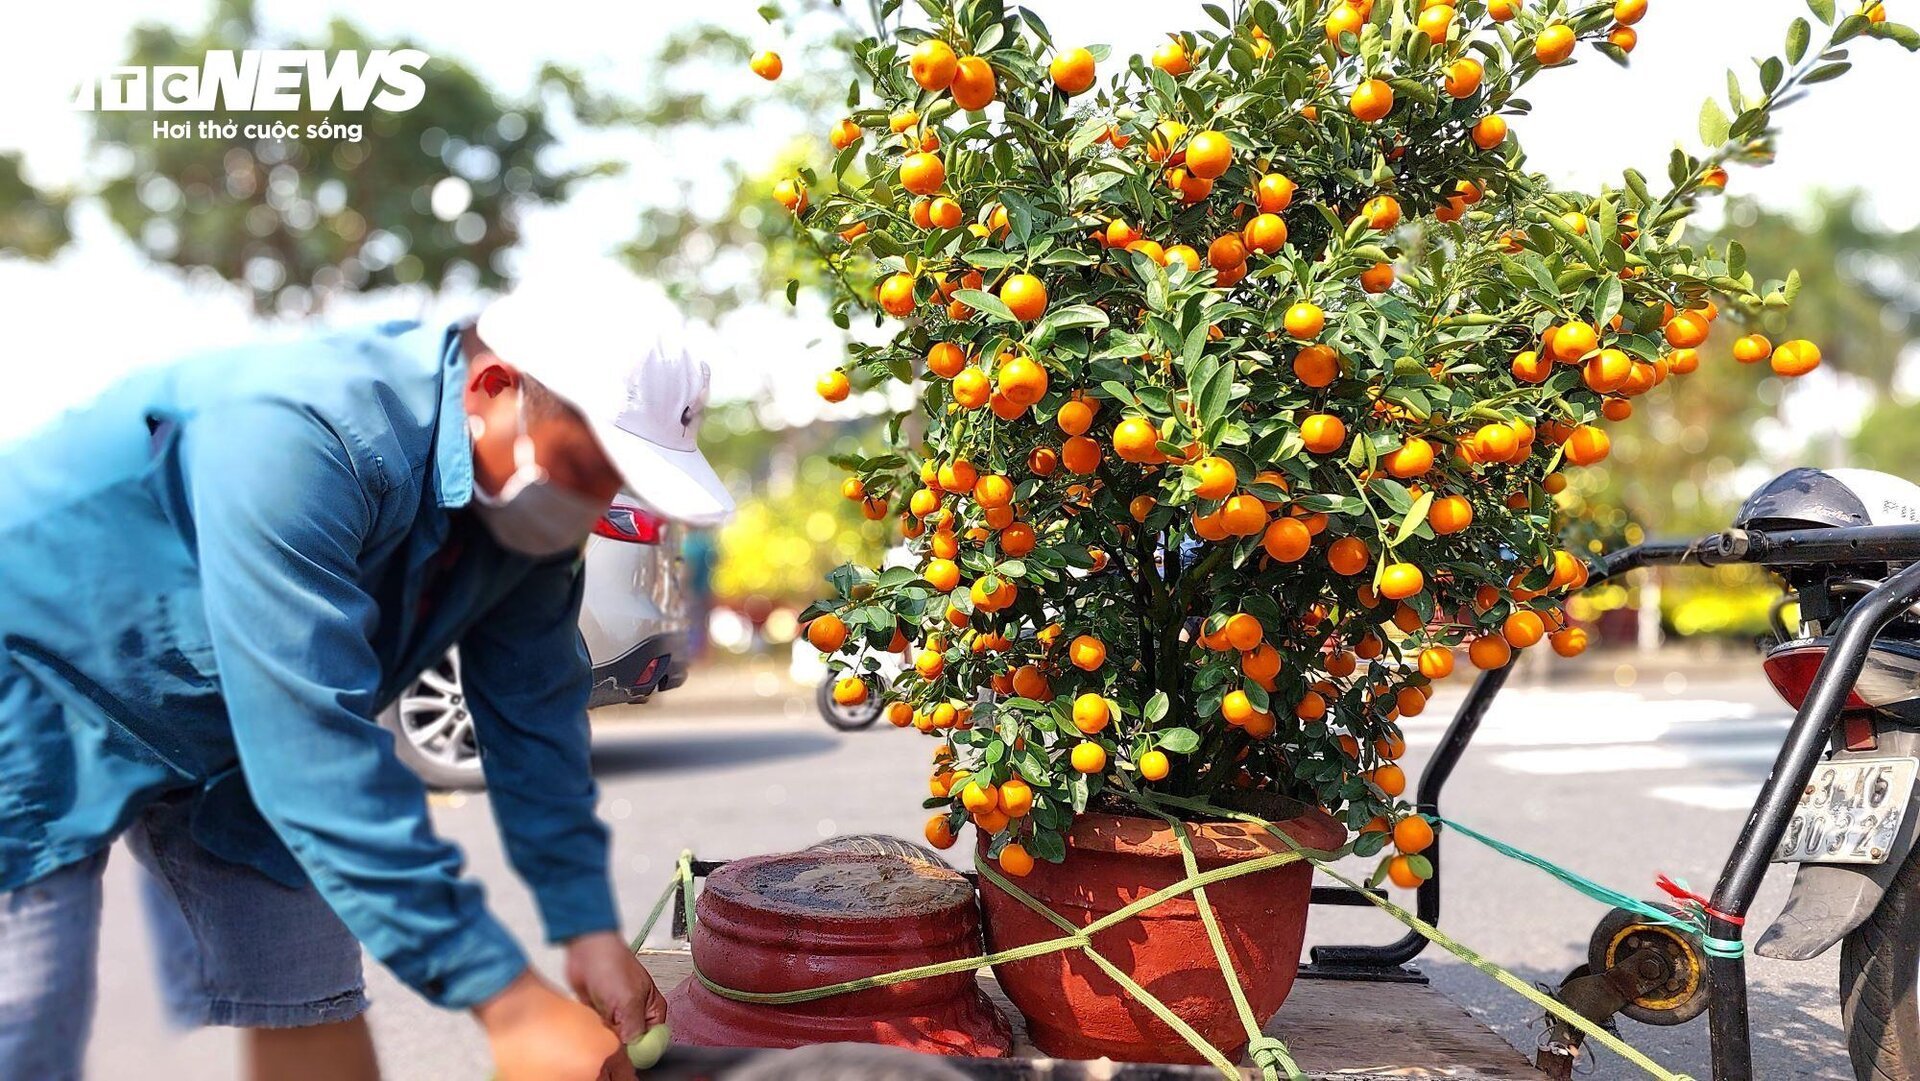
526	675
280	517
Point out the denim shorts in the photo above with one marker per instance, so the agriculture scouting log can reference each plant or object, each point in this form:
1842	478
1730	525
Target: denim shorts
232	947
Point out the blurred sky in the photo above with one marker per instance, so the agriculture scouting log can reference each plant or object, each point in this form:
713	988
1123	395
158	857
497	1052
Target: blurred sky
72	326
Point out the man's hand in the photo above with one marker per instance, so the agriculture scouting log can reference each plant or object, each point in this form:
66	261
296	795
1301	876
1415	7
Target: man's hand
605	974
538	1034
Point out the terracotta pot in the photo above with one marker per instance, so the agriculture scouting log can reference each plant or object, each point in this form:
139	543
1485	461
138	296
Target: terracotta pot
1074	1010
806	919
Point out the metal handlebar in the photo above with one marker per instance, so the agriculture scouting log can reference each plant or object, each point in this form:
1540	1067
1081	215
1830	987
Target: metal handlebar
1842	545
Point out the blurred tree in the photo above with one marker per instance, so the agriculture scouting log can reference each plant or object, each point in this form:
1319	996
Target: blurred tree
796	526
709	238
33	223
1889	439
423	197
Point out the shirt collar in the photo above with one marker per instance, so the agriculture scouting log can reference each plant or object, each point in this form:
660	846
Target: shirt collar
453	446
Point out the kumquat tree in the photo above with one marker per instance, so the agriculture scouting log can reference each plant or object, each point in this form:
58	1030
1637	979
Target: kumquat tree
1246	377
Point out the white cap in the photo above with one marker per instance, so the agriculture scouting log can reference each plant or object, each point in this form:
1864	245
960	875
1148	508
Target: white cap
595	336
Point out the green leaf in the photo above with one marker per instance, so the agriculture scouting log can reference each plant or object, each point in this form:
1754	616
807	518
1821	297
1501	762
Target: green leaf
1047	844
988	259
1906	36
1086	135
1039	28
1156	710
1607	298
1213	392
1414	518
1713	123
1799	35
1826	72
1771	72
1679	166
1179	740
1195	344
1637	184
986	302
1823	9
1073	315
1164	85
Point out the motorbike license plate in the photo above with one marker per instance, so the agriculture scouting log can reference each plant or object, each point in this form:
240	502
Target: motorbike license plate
1850	812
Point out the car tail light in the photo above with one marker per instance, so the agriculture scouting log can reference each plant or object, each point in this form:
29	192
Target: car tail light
625	522
646	674
1888	678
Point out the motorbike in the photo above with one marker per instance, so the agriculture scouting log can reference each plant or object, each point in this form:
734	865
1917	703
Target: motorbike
1838	803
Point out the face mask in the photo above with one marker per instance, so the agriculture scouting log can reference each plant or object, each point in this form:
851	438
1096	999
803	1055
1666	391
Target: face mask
532	515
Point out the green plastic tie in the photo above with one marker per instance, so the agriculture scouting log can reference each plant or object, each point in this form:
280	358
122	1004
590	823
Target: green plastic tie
1690	920
1266	1052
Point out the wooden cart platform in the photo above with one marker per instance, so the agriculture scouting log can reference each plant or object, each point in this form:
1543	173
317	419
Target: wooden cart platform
1346	1029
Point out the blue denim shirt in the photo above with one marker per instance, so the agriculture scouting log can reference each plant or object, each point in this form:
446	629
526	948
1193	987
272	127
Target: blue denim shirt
210	581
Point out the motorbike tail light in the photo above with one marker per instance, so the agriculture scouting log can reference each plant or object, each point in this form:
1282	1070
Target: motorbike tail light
1888	678
631	524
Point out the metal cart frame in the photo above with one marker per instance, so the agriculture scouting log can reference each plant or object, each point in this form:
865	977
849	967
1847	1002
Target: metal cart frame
1806	741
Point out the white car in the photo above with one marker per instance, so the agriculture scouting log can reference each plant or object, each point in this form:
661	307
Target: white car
633	620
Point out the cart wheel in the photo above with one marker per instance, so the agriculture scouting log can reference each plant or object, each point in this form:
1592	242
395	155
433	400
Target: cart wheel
1683	996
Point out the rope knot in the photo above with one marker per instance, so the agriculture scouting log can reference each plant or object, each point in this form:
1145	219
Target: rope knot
1270	1055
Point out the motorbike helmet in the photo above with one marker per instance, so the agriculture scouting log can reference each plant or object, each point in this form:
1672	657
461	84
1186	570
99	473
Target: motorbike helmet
1814	498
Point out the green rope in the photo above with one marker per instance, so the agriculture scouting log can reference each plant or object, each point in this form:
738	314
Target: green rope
1439	938
1689	920
1159	1009
682	876
1075	938
1268	1053
685	871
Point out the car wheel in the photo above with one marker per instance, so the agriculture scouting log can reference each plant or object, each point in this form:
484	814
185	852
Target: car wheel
846	718
432	728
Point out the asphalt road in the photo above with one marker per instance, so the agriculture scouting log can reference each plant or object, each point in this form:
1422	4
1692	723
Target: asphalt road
1619	778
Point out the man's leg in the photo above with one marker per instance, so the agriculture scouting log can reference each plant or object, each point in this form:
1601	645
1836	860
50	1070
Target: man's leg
49	951
237	948
338	1051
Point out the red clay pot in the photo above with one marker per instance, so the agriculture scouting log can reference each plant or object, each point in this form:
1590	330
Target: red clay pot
1074	1010
806	919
